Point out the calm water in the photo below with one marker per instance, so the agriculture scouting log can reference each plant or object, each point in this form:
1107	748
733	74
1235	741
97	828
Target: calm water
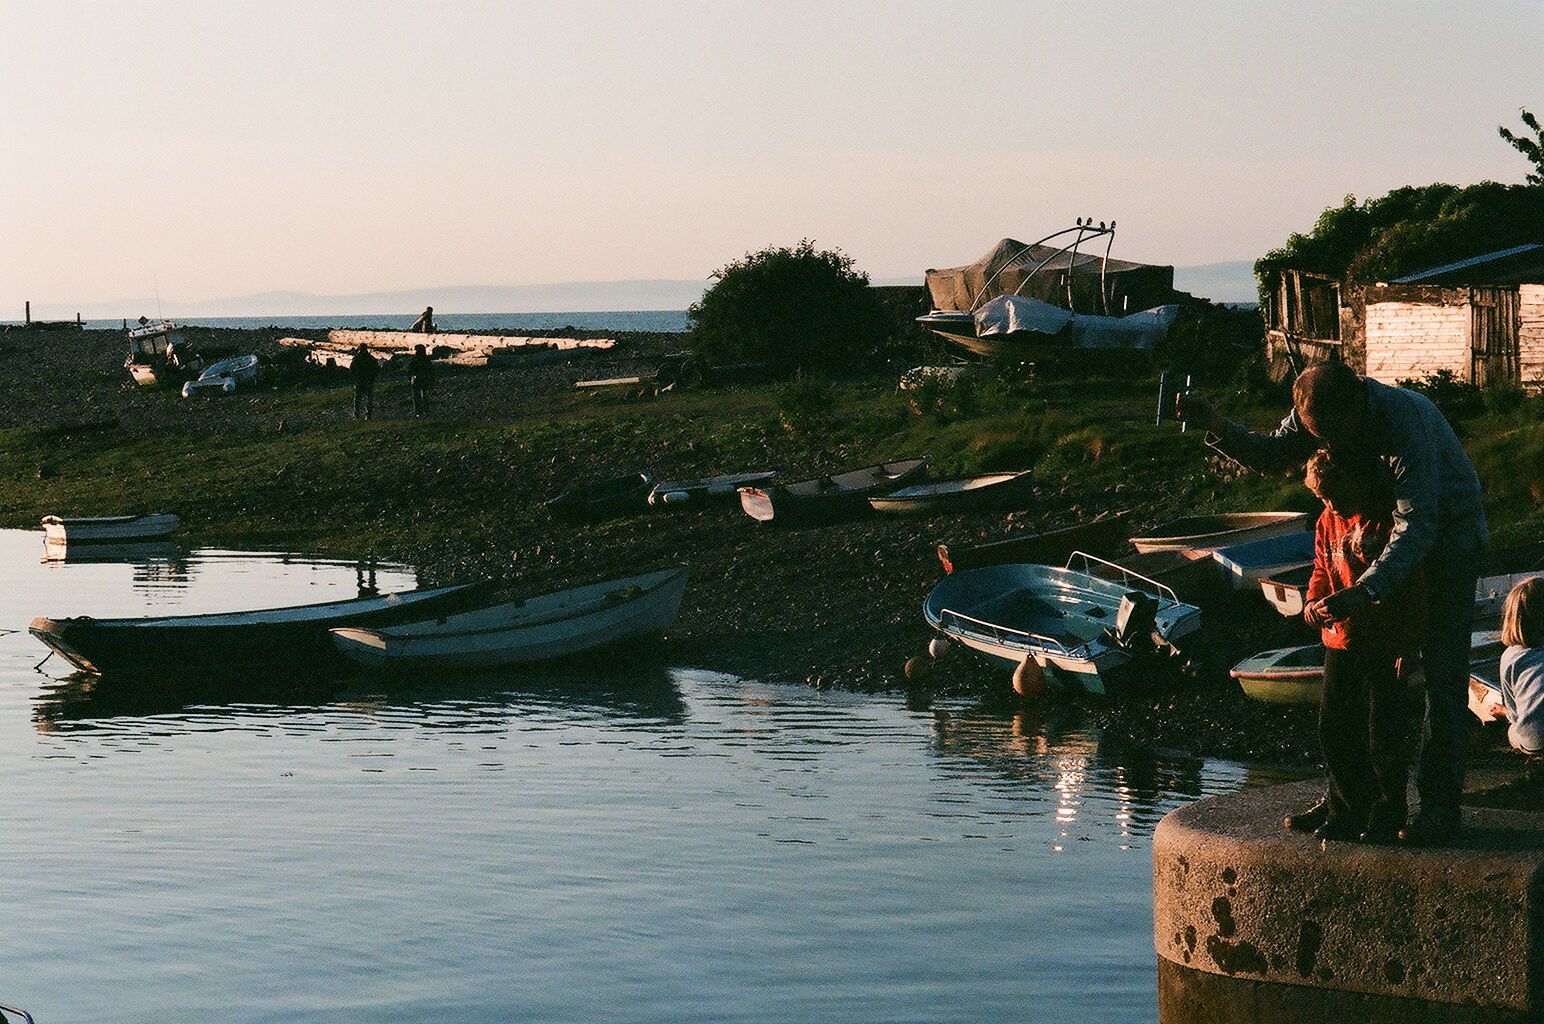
661	846
668	320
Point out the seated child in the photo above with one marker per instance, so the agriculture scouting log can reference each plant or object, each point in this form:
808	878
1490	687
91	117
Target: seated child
1366	713
1522	665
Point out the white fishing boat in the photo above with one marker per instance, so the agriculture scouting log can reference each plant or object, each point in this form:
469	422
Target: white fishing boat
153	350
1077	626
77	530
537	629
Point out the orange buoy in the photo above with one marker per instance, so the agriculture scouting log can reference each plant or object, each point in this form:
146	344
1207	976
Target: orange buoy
917	668
1029	678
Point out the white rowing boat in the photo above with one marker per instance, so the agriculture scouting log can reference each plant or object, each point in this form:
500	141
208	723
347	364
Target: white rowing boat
79	530
537	629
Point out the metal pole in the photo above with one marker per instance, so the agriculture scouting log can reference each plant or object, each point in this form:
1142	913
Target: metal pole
1185	424
1163	387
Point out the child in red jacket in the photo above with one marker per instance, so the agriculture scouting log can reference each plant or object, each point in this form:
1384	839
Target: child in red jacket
1366	713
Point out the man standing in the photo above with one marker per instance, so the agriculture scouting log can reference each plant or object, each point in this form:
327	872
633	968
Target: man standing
425	322
420	374
1439	522
363	368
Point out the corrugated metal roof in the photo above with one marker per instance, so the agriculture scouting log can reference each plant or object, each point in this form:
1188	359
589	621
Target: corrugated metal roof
1474	263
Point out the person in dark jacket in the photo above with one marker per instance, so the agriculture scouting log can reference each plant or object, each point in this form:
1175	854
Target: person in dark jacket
420	374
364	368
1439	520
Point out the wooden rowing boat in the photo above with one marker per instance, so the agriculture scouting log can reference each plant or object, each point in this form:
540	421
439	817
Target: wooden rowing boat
829	497
537	629
78	530
1101	537
293	637
962	494
1201	535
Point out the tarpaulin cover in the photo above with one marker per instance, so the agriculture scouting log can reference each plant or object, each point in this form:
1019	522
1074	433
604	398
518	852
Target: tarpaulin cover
1010	314
1010	268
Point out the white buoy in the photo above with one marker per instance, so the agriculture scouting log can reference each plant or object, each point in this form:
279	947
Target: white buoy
938	646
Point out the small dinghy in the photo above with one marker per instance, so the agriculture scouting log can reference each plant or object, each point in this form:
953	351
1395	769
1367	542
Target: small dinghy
603	499
240	370
1079	627
1100	537
294	638
705	489
1201	535
538	629
964	494
1288	591
1490	592
829	497
1295	675
1286	675
1245	565
107	529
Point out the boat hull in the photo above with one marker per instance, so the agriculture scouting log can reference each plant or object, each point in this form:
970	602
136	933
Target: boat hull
1100	537
965	494
1287	592
828	499
237	642
1201	535
107	529
525	632
615	497
706	489
1245	565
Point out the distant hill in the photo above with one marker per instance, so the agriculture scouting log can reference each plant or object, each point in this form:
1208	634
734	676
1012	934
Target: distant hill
1220	282
567	297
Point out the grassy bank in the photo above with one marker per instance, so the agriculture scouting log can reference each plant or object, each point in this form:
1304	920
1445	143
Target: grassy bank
460	492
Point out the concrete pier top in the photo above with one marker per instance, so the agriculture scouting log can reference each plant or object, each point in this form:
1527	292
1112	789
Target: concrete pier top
1236	895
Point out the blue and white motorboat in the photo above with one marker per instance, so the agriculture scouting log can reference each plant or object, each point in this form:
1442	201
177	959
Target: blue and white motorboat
1244	565
1076	625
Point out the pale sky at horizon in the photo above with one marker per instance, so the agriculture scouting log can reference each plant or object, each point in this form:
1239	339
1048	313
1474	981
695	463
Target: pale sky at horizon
218	148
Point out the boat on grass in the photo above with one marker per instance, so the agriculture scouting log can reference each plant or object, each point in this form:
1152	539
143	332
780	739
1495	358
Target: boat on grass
214	387
1102	537
293	637
107	529
1201	535
542	628
154	348
241	370
962	494
708	488
1079	627
1245	565
603	499
829	497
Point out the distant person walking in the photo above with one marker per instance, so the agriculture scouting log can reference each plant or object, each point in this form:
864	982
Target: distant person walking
425	322
364	368
420	373
1439	520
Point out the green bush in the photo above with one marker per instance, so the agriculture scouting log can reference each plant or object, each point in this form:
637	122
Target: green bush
804	403
935	391
1458	399
796	308
1504	397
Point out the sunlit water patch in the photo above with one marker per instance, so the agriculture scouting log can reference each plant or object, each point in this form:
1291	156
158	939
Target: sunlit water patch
651	844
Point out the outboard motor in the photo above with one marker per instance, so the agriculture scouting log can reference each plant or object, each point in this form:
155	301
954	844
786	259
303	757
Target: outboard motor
1135	622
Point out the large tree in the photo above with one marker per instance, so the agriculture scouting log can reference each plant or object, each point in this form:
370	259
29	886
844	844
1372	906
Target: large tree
1532	148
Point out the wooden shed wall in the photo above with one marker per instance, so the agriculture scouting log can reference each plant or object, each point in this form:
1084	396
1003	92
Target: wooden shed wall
1530	336
1412	339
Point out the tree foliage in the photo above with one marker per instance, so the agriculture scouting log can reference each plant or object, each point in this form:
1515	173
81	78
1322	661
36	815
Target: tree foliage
798	308
1532	148
1411	229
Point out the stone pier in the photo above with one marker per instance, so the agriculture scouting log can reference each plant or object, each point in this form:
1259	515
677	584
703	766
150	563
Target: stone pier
1257	925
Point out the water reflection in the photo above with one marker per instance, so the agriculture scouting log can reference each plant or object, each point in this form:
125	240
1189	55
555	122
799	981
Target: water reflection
81	702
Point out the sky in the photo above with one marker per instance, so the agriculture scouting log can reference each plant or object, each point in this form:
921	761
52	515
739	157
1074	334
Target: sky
197	149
